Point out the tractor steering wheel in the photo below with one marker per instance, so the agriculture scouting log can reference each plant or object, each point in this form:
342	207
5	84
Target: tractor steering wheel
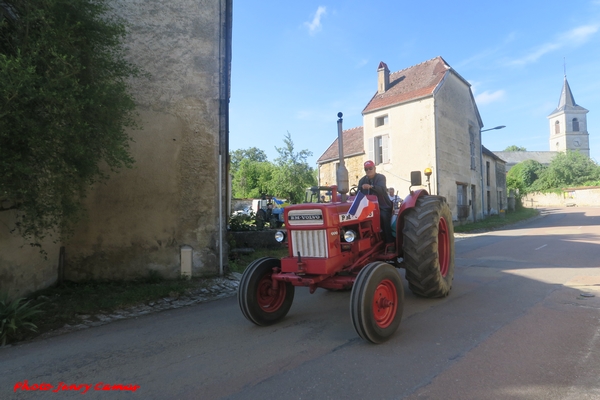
353	191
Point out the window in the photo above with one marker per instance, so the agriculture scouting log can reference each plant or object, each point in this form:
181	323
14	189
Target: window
462	203
461	194
472	146
557	127
575	125
487	173
380	121
378	149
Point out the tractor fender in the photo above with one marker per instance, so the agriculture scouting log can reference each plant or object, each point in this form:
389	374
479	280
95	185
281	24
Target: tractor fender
408	203
410	200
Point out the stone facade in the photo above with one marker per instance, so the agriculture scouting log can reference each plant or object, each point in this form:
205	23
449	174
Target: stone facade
354	151
139	220
354	165
494	183
175	193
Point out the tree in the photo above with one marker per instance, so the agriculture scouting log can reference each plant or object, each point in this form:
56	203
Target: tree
515	148
292	174
252	179
522	176
252	154
568	169
64	108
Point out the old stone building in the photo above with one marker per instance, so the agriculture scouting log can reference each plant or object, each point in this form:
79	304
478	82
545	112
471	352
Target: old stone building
567	132
174	196
421	117
352	140
495	197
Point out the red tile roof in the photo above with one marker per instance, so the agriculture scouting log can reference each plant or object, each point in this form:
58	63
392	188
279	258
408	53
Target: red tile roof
411	83
353	145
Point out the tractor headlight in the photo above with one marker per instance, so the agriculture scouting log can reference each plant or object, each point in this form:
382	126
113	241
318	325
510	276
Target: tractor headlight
280	236
349	236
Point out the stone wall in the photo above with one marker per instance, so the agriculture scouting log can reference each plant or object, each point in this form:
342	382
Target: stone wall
456	120
23	269
354	165
139	220
587	196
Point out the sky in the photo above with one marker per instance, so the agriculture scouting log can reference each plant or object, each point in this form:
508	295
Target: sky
295	65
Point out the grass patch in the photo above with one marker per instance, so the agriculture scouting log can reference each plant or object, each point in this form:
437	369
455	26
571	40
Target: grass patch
64	303
495	221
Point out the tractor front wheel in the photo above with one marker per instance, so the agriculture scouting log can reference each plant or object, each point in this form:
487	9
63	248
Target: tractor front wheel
429	247
376	302
259	301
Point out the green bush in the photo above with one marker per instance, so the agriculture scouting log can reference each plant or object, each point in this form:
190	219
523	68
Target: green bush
66	109
244	222
15	317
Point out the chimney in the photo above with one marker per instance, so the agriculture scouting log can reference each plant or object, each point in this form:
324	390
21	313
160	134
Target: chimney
383	78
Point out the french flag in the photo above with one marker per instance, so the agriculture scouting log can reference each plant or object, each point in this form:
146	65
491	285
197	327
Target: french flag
361	206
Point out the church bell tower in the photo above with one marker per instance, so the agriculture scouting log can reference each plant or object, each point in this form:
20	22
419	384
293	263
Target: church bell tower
568	124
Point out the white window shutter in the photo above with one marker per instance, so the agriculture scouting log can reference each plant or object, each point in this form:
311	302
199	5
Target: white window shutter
370	154
385	141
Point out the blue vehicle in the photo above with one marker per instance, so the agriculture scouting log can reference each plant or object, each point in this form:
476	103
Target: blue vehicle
268	212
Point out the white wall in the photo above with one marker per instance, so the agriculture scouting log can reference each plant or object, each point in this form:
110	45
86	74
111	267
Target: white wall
412	146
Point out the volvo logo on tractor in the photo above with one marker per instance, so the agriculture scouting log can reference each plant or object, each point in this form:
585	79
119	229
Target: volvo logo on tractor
305	217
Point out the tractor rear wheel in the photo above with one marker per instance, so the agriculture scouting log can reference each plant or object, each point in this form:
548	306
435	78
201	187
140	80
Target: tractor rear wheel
376	302
259	302
429	247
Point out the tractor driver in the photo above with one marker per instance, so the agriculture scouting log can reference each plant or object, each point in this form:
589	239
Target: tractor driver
374	183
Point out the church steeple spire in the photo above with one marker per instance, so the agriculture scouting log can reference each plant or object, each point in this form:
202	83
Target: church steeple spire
566	101
568	124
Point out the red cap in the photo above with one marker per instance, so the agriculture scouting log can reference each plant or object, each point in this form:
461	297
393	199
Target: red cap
369	164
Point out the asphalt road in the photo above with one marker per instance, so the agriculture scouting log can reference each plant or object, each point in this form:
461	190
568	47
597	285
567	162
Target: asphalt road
515	326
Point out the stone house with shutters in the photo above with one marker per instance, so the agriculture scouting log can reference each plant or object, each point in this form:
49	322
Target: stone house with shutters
425	116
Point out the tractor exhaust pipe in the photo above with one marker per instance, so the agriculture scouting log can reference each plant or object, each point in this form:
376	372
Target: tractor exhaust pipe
342	172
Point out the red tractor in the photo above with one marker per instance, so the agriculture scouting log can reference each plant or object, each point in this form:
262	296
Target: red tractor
330	249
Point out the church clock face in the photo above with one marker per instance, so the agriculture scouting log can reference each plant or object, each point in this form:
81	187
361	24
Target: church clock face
576	143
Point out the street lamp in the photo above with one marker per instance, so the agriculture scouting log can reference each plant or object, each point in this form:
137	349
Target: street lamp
491	129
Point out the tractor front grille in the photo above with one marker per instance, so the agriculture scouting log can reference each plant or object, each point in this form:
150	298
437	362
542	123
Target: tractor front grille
310	243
